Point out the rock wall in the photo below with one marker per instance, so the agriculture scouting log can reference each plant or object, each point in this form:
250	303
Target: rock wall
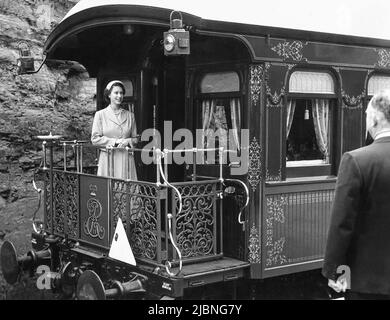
59	98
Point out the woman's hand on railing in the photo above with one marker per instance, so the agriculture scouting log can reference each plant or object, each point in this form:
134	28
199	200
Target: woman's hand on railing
122	143
126	142
134	140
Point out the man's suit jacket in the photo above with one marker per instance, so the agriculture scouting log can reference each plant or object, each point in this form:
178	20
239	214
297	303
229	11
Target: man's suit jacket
359	233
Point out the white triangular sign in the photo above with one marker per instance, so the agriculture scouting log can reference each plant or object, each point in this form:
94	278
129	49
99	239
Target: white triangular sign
120	247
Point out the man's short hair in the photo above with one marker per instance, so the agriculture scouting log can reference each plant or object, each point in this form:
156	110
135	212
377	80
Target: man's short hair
381	102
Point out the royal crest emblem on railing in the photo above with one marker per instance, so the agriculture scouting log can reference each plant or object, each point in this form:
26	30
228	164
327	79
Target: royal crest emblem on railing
91	225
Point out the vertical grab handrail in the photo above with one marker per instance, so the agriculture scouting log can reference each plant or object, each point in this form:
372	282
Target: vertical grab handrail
81	156
127	175
76	155
160	171
34	221
64	150
168	265
242	222
44	155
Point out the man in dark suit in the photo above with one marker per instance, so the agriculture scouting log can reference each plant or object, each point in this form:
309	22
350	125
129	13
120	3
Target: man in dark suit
359	233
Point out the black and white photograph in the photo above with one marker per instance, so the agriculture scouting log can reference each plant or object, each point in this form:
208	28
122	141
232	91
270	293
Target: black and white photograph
174	151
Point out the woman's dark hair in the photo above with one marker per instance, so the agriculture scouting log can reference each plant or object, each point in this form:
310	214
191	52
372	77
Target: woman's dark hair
108	89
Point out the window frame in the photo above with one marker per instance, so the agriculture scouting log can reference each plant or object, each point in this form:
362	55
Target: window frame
368	139
198	97
316	169
373	75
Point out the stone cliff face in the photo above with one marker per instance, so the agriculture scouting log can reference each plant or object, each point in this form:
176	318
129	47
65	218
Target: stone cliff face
58	98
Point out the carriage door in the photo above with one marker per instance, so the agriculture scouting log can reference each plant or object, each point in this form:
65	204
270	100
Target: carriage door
162	106
217	110
171	108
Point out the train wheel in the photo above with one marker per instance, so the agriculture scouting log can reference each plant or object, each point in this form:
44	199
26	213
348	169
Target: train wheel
90	287
9	262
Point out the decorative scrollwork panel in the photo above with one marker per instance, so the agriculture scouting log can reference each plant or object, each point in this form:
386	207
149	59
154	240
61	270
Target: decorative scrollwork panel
290	50
65	204
255	164
254	247
48	208
72	206
196	224
383	58
59	203
256	82
119	203
137	204
353	102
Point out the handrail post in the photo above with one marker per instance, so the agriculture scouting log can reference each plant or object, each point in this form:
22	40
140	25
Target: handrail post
108	149
76	153
157	152
64	146
220	163
127	159
112	162
51	177
194	153
44	155
81	158
166	163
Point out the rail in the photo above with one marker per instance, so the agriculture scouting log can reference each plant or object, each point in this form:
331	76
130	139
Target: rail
68	188
242	222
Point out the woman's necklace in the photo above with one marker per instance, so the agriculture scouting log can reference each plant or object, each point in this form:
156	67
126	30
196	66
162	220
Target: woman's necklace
116	111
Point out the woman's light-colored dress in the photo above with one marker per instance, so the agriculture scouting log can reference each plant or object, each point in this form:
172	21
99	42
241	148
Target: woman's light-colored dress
106	128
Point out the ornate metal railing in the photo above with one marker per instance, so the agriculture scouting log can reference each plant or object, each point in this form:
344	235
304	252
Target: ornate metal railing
197	226
138	204
166	224
62	204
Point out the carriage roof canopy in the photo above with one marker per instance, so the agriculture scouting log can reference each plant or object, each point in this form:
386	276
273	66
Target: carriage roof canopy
273	19
346	17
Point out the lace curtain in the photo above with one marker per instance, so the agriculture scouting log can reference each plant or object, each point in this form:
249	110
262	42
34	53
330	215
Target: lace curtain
320	110
214	118
235	111
290	115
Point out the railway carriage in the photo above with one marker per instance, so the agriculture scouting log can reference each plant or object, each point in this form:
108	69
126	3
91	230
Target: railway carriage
288	102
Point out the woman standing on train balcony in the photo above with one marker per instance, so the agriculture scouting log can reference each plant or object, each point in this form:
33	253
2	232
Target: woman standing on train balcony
115	127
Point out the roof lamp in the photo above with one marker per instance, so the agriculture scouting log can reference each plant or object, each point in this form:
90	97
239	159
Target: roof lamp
25	61
176	39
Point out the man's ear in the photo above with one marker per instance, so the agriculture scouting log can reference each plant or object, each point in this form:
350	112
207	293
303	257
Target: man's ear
377	117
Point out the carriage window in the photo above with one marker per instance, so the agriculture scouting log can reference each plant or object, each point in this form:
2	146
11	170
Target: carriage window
308	132
308	124
220	112
129	88
220	82
311	82
377	83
